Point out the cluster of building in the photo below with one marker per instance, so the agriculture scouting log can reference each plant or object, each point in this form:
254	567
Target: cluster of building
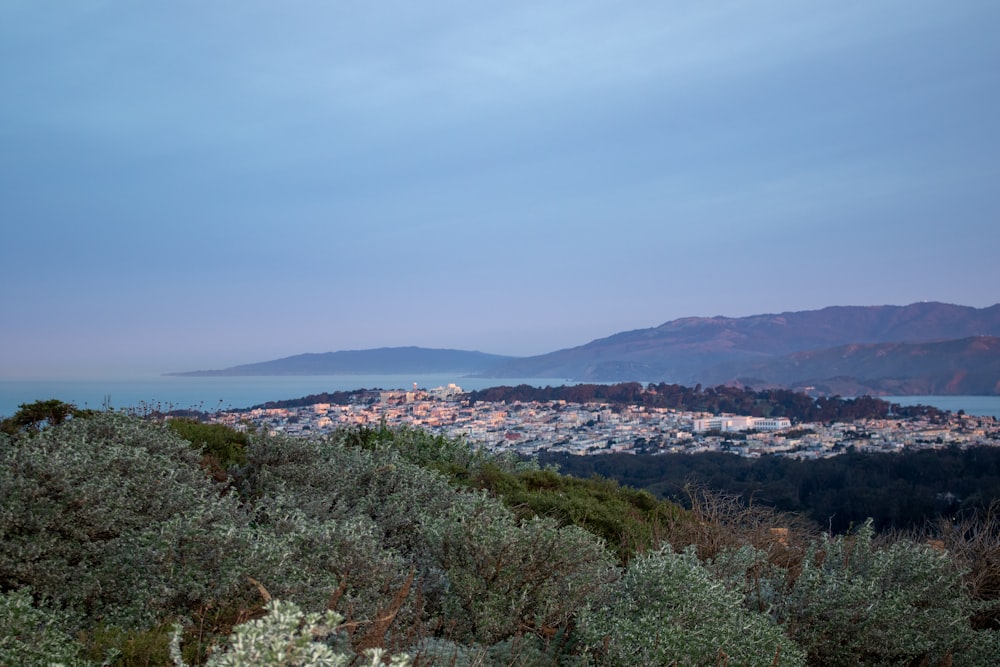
594	428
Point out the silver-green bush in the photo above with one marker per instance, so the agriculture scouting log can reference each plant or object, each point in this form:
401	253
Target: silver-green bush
506	576
483	575
668	609
286	637
305	560
364	506
857	604
113	517
31	637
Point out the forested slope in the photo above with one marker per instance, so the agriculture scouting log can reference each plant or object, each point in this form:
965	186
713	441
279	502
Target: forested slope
898	491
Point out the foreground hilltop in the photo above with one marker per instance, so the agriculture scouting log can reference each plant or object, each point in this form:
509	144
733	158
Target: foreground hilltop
130	541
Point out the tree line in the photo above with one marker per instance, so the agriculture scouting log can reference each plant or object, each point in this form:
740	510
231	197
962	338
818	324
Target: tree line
895	490
796	406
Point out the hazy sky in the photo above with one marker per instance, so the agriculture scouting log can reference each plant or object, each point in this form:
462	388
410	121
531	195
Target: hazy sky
193	184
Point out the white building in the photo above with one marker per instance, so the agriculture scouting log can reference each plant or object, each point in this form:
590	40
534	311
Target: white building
771	424
726	423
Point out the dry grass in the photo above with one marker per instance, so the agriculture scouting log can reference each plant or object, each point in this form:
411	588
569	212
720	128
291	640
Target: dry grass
720	521
973	542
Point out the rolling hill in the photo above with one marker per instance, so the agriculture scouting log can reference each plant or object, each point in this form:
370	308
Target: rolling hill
969	366
922	348
385	360
722	349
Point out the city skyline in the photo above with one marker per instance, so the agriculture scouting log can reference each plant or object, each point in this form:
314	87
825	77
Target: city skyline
200	186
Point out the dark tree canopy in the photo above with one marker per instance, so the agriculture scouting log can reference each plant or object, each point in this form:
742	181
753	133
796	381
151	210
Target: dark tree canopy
897	491
796	406
33	416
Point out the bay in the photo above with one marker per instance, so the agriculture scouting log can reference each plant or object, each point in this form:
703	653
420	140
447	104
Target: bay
162	392
218	393
981	406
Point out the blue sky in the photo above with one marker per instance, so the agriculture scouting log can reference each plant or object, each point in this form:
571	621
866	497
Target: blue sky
202	184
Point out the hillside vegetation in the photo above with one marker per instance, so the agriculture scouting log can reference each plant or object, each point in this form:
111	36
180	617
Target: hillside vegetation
126	541
897	491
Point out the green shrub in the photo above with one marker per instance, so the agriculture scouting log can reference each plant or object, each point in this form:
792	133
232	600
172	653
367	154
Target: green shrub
369	504
225	445
313	562
856	604
505	577
629	521
31	637
526	650
748	572
455	457
131	647
112	516
436	652
113	526
286	637
483	575
330	481
668	609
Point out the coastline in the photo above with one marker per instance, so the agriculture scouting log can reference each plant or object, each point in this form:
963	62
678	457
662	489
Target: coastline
165	392
221	393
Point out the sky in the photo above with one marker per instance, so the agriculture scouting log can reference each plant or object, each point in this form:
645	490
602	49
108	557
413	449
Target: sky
190	185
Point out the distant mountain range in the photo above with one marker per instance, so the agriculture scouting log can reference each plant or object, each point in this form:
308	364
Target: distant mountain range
380	361
924	348
968	366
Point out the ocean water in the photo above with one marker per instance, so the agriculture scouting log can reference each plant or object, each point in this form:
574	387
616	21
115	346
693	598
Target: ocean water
215	393
983	406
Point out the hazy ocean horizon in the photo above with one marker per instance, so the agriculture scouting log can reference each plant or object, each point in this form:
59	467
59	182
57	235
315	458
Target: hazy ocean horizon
165	392
985	406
